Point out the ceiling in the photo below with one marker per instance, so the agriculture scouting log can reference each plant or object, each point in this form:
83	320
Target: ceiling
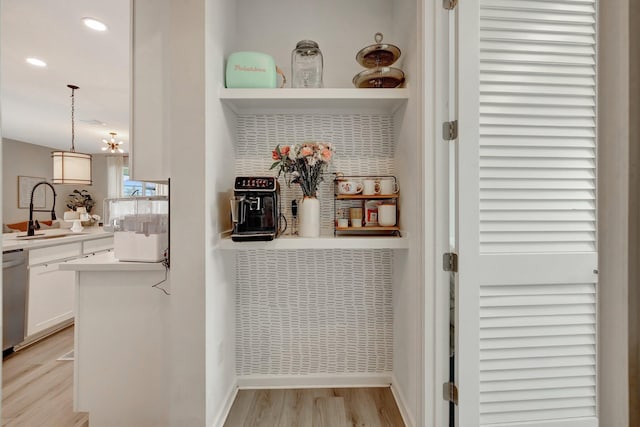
35	102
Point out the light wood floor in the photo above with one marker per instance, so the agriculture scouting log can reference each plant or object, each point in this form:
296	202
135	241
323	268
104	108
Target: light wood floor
37	390
337	407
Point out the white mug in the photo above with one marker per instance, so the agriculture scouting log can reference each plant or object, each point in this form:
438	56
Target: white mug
388	186
343	222
387	215
349	187
370	187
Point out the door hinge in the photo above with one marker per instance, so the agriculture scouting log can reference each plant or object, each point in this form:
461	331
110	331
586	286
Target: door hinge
450	130
450	392
450	262
449	4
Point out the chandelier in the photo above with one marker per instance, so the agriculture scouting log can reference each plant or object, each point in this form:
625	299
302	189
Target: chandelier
71	167
111	144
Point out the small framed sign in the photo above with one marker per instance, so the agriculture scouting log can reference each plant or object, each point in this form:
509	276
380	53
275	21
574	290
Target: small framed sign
25	186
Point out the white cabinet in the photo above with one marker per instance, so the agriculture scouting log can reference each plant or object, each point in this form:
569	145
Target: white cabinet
50	291
149	38
51	297
91	247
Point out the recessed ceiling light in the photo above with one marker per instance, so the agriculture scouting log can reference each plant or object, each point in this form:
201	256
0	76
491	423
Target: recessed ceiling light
94	24
37	62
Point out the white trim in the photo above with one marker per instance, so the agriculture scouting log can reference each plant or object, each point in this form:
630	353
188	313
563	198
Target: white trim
576	422
402	403
226	408
440	62
314	381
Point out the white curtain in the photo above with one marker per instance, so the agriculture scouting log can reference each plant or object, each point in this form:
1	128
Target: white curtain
162	190
115	166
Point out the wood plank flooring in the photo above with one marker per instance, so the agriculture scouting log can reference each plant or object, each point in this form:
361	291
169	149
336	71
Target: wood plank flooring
337	407
37	389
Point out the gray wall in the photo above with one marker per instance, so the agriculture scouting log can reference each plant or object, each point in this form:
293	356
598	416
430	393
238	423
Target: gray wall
619	219
634	216
23	159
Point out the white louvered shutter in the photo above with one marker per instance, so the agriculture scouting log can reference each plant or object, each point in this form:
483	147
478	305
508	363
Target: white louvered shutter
526	226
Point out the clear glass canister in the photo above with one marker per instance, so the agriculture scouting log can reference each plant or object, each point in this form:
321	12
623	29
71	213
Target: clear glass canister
306	65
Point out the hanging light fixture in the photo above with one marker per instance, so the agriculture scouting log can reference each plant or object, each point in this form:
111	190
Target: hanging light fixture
111	144
70	167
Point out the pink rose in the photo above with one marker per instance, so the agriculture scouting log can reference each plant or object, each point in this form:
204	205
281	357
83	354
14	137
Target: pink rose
285	150
306	151
275	155
326	154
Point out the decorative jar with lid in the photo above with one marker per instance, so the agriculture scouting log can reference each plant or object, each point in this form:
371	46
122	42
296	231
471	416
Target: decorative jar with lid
306	65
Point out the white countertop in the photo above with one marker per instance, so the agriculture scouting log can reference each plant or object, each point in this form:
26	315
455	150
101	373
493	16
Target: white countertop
53	237
107	262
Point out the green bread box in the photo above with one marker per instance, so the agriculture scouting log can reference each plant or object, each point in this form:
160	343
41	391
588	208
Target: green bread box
251	70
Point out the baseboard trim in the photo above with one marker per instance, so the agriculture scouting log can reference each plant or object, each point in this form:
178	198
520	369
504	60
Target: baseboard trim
32	339
402	403
314	381
224	411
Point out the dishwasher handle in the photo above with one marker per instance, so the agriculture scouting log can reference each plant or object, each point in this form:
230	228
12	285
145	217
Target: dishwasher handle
15	258
15	263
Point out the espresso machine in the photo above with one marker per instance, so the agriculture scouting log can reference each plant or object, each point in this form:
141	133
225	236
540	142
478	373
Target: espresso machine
255	209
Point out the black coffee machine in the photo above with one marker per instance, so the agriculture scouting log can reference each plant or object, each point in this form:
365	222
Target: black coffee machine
255	208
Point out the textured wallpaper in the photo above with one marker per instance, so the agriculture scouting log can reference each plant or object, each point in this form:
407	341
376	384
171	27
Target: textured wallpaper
315	311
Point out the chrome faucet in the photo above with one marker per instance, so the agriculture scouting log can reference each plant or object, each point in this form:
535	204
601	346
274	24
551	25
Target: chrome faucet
31	231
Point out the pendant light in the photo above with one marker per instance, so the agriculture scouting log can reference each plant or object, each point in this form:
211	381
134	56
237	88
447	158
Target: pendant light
70	167
111	144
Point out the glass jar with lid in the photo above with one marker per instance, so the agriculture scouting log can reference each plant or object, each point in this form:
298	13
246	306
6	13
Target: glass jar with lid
306	65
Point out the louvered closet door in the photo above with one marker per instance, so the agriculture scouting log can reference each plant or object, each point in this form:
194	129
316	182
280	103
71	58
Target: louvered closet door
526	226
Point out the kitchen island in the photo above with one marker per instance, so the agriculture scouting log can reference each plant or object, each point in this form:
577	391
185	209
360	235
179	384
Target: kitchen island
121	341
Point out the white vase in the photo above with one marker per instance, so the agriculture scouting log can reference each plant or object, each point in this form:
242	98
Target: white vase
309	212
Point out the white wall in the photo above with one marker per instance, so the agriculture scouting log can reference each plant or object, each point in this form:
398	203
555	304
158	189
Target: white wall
264	27
24	159
190	237
220	265
201	151
410	267
275	28
199	147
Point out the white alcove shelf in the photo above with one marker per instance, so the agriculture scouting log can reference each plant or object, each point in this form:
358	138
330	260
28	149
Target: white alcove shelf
287	100
329	303
323	242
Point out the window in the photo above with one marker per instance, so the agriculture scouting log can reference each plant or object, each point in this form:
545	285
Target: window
140	188
137	188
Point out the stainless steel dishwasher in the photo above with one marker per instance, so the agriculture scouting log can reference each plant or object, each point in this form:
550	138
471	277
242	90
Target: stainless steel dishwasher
14	298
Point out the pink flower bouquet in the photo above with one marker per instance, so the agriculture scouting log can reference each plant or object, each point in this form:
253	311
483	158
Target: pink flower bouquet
303	164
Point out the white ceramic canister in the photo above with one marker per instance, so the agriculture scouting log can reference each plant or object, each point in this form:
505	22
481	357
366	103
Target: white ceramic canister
387	215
